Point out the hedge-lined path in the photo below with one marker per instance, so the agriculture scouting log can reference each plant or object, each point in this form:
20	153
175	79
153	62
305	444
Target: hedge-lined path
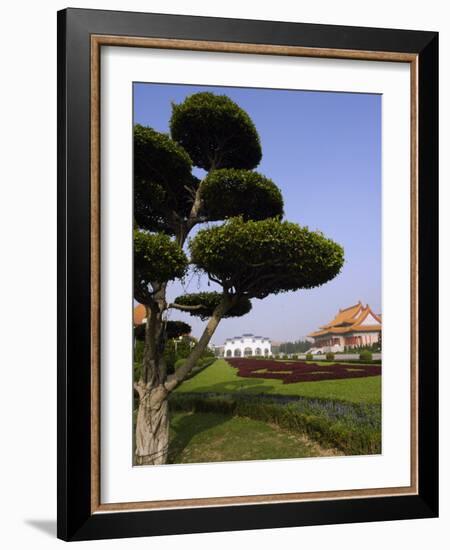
211	437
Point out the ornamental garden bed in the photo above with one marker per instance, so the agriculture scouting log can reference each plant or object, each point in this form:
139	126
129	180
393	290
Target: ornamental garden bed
298	371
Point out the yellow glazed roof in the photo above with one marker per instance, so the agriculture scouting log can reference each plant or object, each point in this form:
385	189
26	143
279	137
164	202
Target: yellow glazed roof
350	319
346	315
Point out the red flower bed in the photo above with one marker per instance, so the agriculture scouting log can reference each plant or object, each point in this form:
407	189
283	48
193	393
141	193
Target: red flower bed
299	371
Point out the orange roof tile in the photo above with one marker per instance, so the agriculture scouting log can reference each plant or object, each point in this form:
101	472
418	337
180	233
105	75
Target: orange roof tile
345	315
139	314
348	320
364	313
345	330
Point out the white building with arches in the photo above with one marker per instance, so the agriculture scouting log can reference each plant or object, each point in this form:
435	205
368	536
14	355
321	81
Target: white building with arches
247	345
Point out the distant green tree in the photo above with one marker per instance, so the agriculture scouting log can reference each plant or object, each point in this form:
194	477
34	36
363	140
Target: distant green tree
253	254
299	346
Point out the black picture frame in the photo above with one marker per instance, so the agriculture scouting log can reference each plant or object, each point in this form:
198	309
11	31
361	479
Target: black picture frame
75	518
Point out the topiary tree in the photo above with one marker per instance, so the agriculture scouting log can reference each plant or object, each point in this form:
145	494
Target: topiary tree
252	255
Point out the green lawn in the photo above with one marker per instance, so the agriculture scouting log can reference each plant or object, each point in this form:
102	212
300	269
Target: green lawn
220	377
210	437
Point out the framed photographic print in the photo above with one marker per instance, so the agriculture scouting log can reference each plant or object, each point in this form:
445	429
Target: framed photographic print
247	274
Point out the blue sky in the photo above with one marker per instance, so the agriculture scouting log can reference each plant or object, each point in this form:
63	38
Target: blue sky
323	150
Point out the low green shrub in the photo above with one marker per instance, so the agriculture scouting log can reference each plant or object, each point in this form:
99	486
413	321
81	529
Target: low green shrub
360	361
309	357
179	363
365	355
138	351
330	356
374	348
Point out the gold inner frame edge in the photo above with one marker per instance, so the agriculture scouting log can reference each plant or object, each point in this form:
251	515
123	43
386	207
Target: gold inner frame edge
97	41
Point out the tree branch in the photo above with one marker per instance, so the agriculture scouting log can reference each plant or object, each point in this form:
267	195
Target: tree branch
183	372
197	370
182	307
195	210
142	294
211	278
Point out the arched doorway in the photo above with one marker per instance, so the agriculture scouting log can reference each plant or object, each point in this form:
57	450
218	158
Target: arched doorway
266	352
258	351
229	353
237	352
248	352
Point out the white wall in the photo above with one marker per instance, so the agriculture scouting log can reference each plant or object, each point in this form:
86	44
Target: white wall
251	342
370	320
28	288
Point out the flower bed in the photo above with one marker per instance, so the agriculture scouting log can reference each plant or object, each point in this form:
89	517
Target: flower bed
299	371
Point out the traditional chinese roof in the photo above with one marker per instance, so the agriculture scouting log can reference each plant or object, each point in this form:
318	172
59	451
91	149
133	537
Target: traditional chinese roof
355	318
345	316
139	314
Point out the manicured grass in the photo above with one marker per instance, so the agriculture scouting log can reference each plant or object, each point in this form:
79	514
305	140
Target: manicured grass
220	377
352	428
211	437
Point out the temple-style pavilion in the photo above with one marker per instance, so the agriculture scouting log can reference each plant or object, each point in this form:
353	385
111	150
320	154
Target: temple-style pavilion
354	326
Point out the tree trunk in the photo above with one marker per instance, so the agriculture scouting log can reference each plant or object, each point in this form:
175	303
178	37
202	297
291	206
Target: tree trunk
152	426
152	374
152	422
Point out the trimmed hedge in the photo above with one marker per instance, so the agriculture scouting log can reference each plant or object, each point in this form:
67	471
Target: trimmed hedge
365	356
353	429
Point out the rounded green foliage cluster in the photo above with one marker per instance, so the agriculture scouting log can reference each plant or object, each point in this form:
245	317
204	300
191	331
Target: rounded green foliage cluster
215	132
158	157
157	258
173	329
163	181
231	192
258	258
209	301
329	356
